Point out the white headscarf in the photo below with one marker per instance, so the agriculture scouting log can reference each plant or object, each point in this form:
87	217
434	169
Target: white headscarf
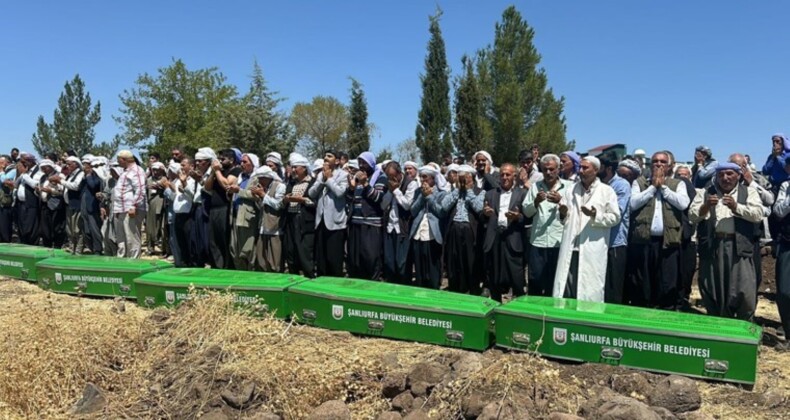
486	155
256	162
205	153
466	169
298	160
266	172
318	165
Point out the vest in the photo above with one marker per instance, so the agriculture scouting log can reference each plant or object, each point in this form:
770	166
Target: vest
74	196
643	218
31	197
744	230
271	219
53	202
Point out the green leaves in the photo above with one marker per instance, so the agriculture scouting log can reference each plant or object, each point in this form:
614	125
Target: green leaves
73	122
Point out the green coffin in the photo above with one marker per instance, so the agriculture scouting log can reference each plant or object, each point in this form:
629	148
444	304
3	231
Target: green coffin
661	341
171	286
94	275
19	261
394	311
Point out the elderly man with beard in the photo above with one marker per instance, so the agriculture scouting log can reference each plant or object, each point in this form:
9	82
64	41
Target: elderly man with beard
365	192
726	214
299	218
657	207
129	205
199	234
245	215
426	230
329	193
588	210
542	205
504	227
459	249
53	211
570	162
397	203
271	192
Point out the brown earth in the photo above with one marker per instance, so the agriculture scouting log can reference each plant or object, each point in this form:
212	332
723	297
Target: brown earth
208	360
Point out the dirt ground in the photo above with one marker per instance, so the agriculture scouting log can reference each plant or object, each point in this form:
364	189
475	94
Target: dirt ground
65	357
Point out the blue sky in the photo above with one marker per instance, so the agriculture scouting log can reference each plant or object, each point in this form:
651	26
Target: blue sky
654	75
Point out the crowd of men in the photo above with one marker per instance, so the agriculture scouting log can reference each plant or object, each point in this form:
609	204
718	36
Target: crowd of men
596	228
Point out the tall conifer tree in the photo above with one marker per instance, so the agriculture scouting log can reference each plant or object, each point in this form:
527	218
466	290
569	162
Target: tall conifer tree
433	135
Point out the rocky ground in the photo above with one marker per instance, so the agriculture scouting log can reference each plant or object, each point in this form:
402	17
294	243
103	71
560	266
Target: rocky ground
64	356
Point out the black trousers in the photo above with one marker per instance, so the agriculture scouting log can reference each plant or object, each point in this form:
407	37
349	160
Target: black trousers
757	257
617	258
427	263
91	223
53	227
198	236
364	252
330	247
398	260
182	227
27	222
783	284
298	243
653	277
506	269
688	266
542	268
572	283
219	237
6	224
459	253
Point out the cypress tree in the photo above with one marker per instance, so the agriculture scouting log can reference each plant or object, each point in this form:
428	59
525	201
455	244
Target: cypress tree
433	134
358	129
468	133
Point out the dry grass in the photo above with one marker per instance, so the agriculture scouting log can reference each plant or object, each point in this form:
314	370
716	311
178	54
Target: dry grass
176	364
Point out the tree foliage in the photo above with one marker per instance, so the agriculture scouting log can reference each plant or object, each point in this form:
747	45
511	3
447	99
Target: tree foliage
73	122
384	154
407	150
468	135
177	107
320	125
358	135
433	135
519	110
253	122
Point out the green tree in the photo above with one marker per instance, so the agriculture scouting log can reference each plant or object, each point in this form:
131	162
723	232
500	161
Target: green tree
358	128
255	125
107	148
433	135
73	122
519	109
407	150
383	154
320	125
177	107
468	133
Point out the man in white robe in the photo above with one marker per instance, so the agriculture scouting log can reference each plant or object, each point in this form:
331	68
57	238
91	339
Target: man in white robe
588	211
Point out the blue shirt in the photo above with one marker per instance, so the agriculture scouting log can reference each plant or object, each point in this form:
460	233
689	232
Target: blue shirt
462	209
619	235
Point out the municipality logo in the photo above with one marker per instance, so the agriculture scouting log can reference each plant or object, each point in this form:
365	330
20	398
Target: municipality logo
58	278
337	312
560	336
170	296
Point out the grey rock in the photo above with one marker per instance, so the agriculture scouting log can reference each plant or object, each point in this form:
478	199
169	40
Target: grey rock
429	372
159	315
664	413
772	399
616	407
468	365
92	400
498	411
417	415
472	406
419	389
677	394
631	382
393	384
403	402
419	402
331	410
389	415
390	361
215	414
563	416
264	416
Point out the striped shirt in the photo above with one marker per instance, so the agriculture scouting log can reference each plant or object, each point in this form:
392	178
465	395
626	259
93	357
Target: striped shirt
129	190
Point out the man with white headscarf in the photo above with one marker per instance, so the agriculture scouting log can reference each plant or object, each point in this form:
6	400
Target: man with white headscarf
365	235
109	239
223	174
129	205
181	191
426	230
270	191
27	201
90	209
588	210
53	211
300	209
246	215
484	180
459	243
154	221
396	204
329	193
72	181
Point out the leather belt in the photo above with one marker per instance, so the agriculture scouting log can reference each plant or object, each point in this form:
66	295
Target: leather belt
722	235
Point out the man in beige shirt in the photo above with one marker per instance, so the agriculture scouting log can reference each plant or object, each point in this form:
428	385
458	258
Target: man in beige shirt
727	213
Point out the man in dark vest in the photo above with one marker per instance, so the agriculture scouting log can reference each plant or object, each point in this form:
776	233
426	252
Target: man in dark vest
726	215
53	211
73	185
299	234
396	204
27	201
7	176
781	211
657	207
459	245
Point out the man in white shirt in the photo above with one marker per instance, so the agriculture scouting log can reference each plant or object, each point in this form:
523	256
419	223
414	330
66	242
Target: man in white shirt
27	201
397	203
